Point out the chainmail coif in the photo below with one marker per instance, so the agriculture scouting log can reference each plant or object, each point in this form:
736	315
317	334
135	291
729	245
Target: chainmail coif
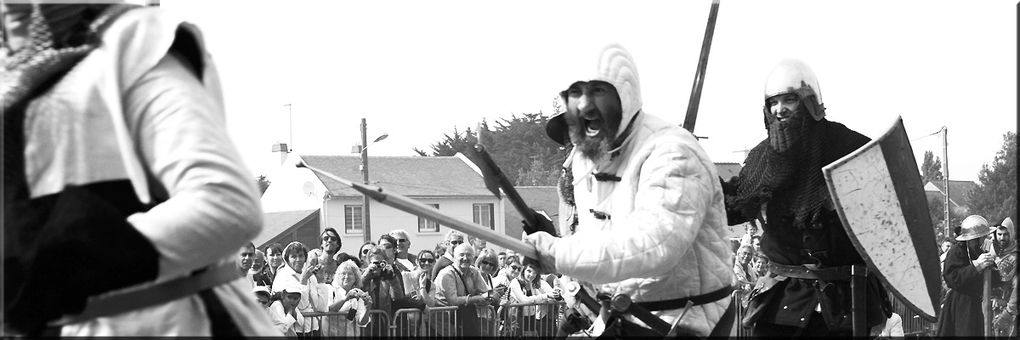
792	182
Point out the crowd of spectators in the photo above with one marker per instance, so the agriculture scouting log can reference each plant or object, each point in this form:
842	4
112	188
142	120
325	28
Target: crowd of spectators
293	281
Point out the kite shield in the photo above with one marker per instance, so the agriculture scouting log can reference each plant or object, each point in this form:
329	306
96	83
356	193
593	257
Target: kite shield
878	194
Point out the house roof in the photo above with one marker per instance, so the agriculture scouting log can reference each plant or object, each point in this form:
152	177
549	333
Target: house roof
408	176
276	223
540	198
728	170
958	191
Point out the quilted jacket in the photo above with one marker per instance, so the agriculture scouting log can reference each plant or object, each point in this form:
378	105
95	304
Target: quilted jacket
658	232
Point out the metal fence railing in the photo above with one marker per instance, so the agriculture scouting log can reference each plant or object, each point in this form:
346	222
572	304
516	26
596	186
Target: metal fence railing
913	324
530	320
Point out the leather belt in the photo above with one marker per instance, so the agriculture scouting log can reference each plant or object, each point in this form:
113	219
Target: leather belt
841	273
709	297
120	302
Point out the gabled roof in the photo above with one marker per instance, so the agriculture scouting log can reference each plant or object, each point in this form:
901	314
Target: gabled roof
958	191
276	223
540	198
727	170
408	176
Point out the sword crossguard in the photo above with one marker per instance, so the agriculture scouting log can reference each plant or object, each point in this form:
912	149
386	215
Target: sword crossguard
621	303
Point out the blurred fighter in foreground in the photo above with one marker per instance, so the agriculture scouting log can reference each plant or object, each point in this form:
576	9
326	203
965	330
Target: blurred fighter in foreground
650	212
124	200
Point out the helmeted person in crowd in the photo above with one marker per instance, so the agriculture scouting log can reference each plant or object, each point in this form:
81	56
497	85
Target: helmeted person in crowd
649	207
962	315
115	143
807	291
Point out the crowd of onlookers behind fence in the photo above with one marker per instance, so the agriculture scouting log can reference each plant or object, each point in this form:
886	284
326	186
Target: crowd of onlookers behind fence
384	290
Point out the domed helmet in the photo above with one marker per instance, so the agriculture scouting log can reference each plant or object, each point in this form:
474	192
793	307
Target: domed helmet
973	227
794	76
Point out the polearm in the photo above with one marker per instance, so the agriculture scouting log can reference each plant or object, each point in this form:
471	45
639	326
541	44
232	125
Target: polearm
495	179
418	209
699	76
986	302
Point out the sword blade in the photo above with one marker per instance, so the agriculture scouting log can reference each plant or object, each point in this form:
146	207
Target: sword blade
416	208
699	76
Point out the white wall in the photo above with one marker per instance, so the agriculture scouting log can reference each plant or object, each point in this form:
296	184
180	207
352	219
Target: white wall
292	188
385	219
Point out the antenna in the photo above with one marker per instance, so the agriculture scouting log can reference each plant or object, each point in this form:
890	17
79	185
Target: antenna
290	127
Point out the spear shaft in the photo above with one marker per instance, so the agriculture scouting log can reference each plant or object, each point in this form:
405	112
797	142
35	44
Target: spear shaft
416	208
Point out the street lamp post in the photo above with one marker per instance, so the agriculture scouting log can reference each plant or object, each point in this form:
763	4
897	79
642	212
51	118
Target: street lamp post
366	222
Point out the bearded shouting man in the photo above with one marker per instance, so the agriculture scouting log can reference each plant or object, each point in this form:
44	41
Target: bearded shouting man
649	209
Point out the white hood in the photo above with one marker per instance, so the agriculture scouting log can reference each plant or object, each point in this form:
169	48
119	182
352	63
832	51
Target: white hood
615	66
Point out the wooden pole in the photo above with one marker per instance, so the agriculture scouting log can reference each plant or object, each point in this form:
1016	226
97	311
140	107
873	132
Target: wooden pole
366	216
986	303
858	304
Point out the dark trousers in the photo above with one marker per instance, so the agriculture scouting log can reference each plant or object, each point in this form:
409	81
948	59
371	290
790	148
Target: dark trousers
815	328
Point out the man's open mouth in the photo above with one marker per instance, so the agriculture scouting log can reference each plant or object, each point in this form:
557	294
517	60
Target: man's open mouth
592	126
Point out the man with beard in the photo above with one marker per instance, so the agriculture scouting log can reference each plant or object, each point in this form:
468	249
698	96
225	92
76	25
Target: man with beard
329	254
1005	260
807	290
650	212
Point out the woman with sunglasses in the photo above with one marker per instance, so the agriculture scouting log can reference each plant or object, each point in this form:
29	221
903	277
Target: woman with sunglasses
422	277
363	254
509	275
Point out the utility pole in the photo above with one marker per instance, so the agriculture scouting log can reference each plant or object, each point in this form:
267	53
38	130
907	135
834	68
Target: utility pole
365	213
945	171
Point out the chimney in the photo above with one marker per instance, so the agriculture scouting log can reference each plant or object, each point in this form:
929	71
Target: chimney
281	147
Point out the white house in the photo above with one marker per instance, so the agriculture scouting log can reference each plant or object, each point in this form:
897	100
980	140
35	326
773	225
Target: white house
299	204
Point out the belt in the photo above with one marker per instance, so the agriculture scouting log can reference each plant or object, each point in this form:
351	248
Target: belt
120	302
712	296
841	273
621	304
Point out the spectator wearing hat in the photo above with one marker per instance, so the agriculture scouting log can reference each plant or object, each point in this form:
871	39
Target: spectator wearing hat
962	315
263	296
285	313
294	273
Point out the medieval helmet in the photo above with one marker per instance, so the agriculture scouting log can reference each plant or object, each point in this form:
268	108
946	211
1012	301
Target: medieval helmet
973	227
794	76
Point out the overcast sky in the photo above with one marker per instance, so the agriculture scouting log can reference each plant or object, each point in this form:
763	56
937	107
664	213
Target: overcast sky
417	69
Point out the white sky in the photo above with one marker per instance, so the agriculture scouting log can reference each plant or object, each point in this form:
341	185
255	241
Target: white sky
416	69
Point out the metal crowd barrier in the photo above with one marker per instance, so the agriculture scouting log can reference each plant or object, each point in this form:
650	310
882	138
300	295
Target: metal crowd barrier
513	323
508	321
738	331
913	324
